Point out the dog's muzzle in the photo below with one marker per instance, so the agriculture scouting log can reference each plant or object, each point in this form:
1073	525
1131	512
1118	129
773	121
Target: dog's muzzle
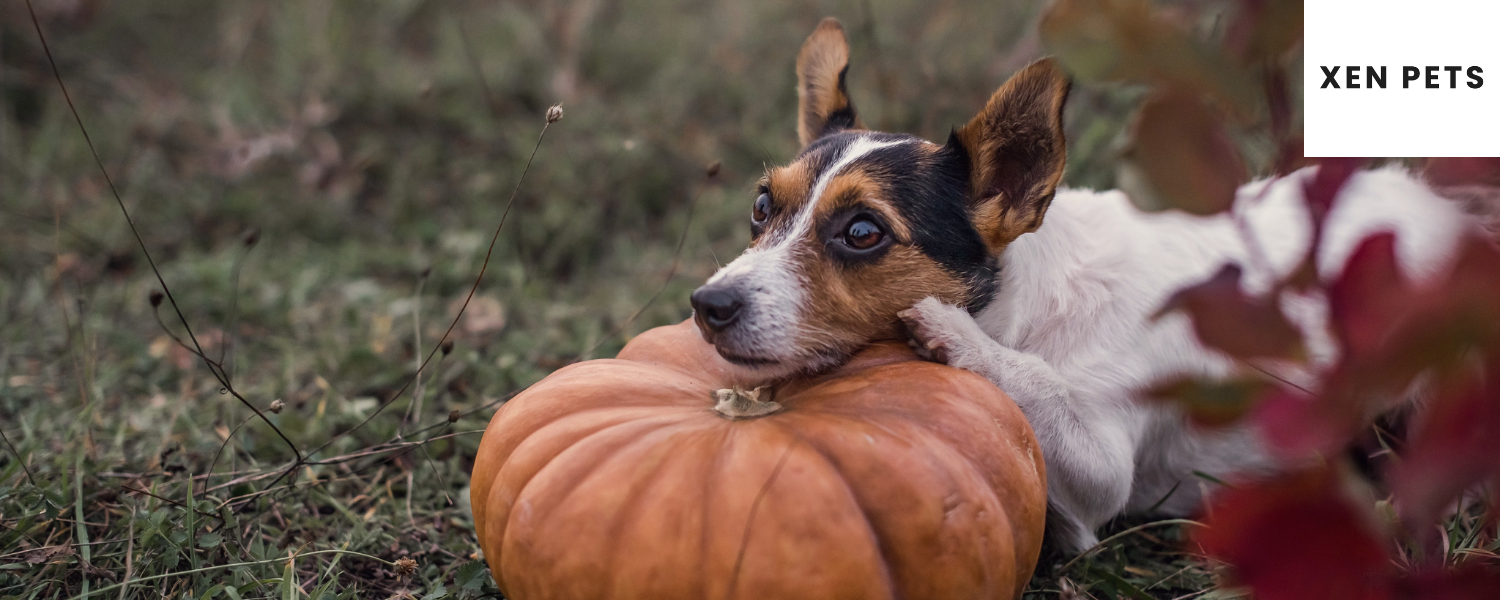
716	307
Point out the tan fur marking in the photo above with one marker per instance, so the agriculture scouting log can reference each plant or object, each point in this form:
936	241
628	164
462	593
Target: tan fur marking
1017	153
821	65
789	186
850	306
855	186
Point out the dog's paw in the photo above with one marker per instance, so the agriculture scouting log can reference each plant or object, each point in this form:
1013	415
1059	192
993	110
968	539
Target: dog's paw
944	333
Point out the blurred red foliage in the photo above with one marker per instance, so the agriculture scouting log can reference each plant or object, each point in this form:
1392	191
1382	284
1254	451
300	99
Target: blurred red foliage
1316	533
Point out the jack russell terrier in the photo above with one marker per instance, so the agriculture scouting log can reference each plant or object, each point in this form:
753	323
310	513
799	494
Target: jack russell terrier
867	236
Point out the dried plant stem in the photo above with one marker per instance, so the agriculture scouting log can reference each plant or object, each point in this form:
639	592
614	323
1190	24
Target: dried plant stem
687	226
483	267
141	242
20	459
414	411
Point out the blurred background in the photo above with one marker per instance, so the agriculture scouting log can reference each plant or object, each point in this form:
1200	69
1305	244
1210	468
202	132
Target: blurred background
372	148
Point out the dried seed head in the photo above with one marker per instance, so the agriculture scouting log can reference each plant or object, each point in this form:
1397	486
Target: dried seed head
554	114
447	347
713	169
156	298
277	405
454	416
252	238
405	567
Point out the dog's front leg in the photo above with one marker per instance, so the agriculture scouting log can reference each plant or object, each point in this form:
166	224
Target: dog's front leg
1089	460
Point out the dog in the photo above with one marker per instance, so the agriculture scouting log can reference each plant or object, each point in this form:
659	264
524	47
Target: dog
972	251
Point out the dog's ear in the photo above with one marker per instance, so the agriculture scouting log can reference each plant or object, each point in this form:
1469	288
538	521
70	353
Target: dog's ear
1016	152
823	105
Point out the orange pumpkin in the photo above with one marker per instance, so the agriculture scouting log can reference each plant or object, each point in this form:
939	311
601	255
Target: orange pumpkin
889	477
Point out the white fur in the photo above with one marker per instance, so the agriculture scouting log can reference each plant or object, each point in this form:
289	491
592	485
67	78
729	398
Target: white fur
1069	333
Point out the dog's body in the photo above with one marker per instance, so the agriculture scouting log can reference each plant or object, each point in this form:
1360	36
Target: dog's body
1070	333
868	236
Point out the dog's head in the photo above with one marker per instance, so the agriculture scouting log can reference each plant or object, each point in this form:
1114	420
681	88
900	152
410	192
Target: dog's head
861	225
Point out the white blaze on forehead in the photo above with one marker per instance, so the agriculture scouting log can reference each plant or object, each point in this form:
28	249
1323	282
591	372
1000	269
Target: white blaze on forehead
862	146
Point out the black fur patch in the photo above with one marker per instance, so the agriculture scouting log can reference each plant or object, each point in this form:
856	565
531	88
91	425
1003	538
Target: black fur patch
930	191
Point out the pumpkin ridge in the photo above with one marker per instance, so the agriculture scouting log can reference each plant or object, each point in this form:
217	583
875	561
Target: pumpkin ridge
944	444
942	448
566	380
714	466
650	428
893	590
739	557
943	461
551	459
641	484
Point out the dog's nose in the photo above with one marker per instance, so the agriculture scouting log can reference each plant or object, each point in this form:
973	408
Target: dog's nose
717	307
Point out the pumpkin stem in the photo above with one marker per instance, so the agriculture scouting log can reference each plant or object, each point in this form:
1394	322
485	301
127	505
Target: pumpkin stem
736	403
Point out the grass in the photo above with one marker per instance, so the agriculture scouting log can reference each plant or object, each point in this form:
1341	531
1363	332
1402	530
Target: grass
370	148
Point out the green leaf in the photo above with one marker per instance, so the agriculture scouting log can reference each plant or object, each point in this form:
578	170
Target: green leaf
232	592
289	588
470	576
1122	587
438	591
210	540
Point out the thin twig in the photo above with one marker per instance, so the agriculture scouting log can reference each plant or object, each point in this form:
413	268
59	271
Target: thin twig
215	462
19	458
140	241
169	501
414	410
226	347
671	272
483	267
739	558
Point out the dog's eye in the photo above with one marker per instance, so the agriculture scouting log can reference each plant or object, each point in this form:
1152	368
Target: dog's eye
762	209
863	234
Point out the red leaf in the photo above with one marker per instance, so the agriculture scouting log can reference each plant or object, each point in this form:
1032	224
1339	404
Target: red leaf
1226	319
1390	333
1181	157
1325	185
1297	538
1370	297
1296	425
1469	582
1463	171
1456	446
